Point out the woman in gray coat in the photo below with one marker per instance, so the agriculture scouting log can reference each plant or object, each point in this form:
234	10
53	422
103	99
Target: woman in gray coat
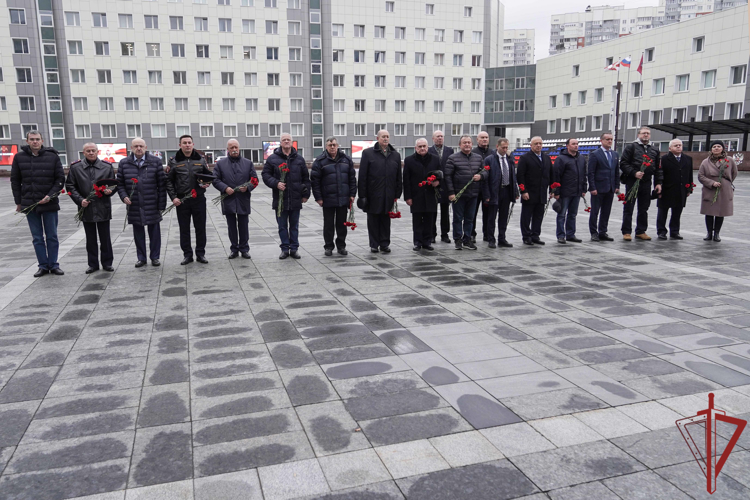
708	175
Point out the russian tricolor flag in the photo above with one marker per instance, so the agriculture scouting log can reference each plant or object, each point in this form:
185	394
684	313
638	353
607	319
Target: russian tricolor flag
625	62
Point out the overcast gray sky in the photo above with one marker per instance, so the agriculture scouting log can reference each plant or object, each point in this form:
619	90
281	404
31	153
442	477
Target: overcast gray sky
536	14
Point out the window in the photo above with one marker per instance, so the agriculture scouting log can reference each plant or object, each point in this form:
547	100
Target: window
738	75
227	104
272	53
251	79
439	35
127	49
458	84
519	105
337	30
359	31
599	94
655	117
658	87
400	33
75	47
379	31
419	58
429	9
552	102
296	105
230	130
109	131
204	78
295	54
565	122
83	131
582	97
27	103
708	79
705	112
458	106
180	130
456	130
4	131
380	105
274	105
251	104
227	78
438	82
419	106
419	34
132	104
418	82
338	55
181	104
201	23
566	100
207	130
634	119
339	129
272	27
226	52
467	11
339	104
129	76
359	80
101	48
476	61
580	124
360	105
359	56
360	129
437	106
400	82
77	76
153	50
175	23
23	75
104	76
274	129
201	51
399	129
476	84
400	57
699	43
151	22
458	60
295	79
80	104
400	106
178	50
271	3
379	56
225	25
338	80
249	53
734	111
248	25
458	36
205	104
649	55
679	115
476	37
389	6
125	20
99	20
17	16
293	4
72	19
576	70
157	104
252	130
682	83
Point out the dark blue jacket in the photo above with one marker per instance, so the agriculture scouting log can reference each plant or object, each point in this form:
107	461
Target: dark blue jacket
297	179
230	173
333	180
34	177
150	196
570	172
603	177
447	151
491	186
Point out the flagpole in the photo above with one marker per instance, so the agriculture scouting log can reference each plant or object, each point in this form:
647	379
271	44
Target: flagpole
638	108
627	97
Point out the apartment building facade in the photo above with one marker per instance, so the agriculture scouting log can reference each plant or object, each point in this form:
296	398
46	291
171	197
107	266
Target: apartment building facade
518	47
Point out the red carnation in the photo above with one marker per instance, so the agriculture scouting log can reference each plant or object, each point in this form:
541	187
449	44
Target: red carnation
254	181
135	181
486	167
193	194
621	197
521	187
555	185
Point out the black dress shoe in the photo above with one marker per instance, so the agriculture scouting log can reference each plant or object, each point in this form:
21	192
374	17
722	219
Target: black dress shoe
716	239
561	240
417	248
504	244
283	255
233	255
492	244
201	259
185	261
537	241
91	270
676	237
485	238
295	255
709	236
342	251
329	252
155	263
374	250
385	249
142	263
595	237
59	272
445	239
575	240
428	247
433	240
605	237
245	255
40	273
661	236
109	269
527	241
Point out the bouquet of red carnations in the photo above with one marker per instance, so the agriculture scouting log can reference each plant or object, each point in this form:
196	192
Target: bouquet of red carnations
586	204
100	187
394	213
621	197
252	182
193	194
284	170
350	219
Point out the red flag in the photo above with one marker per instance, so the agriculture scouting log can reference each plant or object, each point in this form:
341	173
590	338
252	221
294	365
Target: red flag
640	66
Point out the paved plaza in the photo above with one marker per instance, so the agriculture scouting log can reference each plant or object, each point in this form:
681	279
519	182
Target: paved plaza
552	372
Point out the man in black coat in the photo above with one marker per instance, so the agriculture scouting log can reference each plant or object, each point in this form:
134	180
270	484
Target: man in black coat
632	167
604	184
443	152
676	187
421	199
499	191
334	185
37	176
82	176
570	172
230	172
181	172
380	184
484	150
294	191
464	168
534	175
142	174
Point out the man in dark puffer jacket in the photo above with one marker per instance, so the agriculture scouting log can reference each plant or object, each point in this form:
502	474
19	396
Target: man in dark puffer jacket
97	213
461	168
295	191
149	199
35	176
334	185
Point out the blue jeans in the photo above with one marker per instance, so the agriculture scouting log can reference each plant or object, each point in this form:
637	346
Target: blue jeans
44	225
463	218
566	219
289	230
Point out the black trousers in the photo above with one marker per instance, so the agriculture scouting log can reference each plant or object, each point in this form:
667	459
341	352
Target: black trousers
154	241
379	230
421	224
532	215
643	199
499	212
195	209
484	218
238	232
104	243
333	220
713	224
601	208
674	221
445	220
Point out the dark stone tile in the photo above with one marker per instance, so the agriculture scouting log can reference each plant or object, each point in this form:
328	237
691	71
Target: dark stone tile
378	491
173	322
325	331
162	409
278	331
63	332
104	423
166	458
243	428
221	343
75	315
171	344
329	433
370	407
125	342
227	356
584	342
482	412
235	386
110	369
307	389
290	356
55	485
169	371
175	291
307	304
386	384
222	332
130	320
609	354
240	406
712	371
225	371
82	406
88	452
258	456
358	306
403	342
377	322
342	340
359	369
351	354
437	375
14	424
402	428
86	299
46	359
26	385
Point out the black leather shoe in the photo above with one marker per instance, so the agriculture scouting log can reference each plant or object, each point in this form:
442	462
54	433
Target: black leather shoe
492	244
329	252
201	259
155	263
245	255
417	248
385	249
595	237
527	241
537	241
374	250
283	255
428	247
605	237
40	273
59	272
574	239
661	236
233	255
561	240
504	244
295	255
433	240
716	239
445	239
676	237
709	236
91	270
185	261
142	263
109	269
485	238
342	251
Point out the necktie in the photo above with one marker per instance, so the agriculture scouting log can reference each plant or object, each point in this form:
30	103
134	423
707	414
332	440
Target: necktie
505	180
609	157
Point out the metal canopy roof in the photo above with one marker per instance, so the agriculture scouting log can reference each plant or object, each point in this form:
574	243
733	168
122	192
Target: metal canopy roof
713	127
